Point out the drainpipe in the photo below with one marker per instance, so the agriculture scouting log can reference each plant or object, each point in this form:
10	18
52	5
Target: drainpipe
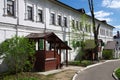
17	17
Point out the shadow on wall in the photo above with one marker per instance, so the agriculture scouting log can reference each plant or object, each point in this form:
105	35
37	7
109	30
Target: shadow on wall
3	67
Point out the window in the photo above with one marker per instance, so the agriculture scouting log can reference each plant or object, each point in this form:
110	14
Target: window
10	7
52	18
102	31
29	11
77	26
86	27
81	25
40	15
73	23
65	21
89	28
59	20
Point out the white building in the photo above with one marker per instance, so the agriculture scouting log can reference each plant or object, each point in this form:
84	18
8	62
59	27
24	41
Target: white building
22	17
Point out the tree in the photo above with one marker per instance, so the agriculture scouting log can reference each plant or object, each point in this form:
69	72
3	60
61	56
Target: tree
78	37
95	29
18	52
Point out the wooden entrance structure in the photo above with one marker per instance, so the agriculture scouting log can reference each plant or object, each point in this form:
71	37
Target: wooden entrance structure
48	51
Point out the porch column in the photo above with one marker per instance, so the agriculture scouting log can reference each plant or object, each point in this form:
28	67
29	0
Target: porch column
54	51
66	57
45	48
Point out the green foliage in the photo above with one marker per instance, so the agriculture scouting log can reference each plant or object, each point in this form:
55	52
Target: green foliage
107	54
117	73
82	63
75	63
89	44
86	63
18	52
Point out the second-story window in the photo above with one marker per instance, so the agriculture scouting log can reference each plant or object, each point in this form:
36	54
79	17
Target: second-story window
81	26
40	15
29	11
73	23
59	20
77	25
65	21
52	18
10	7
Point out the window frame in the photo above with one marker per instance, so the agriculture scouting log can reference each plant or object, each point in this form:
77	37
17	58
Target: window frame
59	20
29	13
65	21
10	8
39	15
52	18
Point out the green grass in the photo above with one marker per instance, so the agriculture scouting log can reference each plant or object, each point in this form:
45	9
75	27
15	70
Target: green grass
117	73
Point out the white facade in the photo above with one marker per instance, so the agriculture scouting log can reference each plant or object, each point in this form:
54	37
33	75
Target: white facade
23	22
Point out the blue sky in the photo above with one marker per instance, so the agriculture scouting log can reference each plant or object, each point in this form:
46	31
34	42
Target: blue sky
108	10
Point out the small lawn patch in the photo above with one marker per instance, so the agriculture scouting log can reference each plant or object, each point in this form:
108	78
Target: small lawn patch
117	73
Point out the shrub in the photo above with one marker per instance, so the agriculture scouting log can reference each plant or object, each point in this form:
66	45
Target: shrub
18	53
75	63
86	63
117	73
107	54
82	63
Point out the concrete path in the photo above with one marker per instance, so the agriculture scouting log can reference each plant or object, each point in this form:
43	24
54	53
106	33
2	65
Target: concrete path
99	72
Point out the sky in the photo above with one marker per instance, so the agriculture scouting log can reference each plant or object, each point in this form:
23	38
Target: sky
108	10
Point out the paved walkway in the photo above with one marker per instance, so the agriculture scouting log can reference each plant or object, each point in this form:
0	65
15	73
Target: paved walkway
76	68
99	72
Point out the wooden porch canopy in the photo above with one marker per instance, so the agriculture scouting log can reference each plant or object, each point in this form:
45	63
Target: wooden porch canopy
50	37
55	43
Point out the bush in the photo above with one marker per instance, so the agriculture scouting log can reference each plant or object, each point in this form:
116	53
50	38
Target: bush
18	52
82	63
117	73
107	54
86	63
75	63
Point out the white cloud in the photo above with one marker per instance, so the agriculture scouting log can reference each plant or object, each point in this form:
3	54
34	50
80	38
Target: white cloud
102	15
111	3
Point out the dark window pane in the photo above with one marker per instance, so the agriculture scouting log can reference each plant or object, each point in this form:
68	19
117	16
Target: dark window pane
65	21
29	11
59	20
40	15
10	7
52	18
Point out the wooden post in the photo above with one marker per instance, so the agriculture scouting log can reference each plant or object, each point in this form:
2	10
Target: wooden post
45	48
66	57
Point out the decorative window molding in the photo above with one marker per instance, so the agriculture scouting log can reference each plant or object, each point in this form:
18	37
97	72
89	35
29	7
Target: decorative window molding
10	8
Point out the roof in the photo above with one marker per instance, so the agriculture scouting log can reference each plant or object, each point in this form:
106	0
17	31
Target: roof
51	38
110	45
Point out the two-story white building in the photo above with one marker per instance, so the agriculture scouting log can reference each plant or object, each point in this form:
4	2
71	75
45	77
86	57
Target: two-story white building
22	17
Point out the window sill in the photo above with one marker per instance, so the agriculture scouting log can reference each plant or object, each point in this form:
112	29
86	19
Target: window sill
40	22
9	16
29	20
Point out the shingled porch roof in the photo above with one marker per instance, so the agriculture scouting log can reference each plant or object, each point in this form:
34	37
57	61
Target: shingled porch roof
50	37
